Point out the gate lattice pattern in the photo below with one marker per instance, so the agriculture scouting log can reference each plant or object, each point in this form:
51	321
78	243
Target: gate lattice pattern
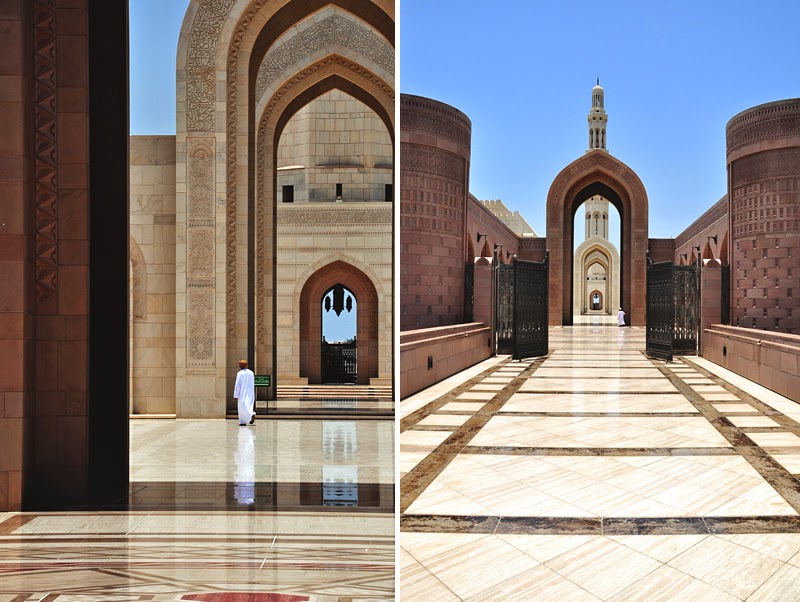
339	361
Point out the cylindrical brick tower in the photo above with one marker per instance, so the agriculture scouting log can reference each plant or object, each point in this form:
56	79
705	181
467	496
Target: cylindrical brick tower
763	156
435	143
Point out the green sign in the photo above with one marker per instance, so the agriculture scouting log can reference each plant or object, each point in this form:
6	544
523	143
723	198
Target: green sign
262	380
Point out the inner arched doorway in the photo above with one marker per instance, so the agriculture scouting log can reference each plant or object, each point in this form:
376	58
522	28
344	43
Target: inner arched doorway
312	299
339	308
597	173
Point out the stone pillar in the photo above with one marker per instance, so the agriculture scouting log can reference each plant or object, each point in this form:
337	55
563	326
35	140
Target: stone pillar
484	289
763	155
710	296
435	143
16	320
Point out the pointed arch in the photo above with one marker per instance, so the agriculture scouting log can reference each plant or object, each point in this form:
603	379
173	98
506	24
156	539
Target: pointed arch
597	173
366	294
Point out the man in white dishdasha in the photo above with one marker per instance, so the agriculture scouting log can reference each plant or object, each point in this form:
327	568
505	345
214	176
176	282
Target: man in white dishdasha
245	393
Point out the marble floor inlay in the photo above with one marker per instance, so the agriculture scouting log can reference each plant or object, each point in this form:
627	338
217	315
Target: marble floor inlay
282	511
596	473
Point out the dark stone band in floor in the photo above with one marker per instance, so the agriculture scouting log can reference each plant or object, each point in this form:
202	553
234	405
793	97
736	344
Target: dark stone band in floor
417	416
497	450
601	414
252	496
781	480
538	525
425	472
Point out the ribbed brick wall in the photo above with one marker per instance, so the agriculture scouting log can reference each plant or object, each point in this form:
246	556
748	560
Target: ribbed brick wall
763	145
434	168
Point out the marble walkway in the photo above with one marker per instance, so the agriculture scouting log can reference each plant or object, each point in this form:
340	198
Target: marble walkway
283	511
598	474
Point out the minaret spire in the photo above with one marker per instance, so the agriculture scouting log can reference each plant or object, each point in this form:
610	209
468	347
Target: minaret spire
598	119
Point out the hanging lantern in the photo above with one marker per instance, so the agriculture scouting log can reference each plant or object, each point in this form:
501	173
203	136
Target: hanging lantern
338	299
349	304
327	303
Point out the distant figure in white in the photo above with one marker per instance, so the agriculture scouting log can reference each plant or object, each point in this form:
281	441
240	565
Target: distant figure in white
245	393
621	317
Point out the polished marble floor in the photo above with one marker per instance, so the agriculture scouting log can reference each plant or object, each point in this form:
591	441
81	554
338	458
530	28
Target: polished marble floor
598	474
282	511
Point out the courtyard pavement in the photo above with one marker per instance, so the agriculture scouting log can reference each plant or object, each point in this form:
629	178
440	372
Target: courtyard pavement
293	507
598	474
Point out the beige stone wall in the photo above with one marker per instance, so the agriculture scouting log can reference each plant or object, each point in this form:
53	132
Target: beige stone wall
335	139
313	235
152	215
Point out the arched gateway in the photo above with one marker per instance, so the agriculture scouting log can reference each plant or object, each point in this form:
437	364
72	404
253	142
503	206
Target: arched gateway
597	173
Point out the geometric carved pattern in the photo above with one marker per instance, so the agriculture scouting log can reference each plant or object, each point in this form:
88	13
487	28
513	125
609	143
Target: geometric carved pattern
200	72
421	115
323	215
332	30
44	114
200	262
768	123
776	163
427	160
436	126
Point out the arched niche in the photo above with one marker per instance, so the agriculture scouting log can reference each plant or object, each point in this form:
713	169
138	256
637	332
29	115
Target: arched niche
314	289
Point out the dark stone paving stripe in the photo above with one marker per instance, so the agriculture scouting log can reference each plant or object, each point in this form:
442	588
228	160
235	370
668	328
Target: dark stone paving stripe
538	525
781	480
597	451
428	523
433	406
791	425
762	429
423	474
433	427
602	414
571	392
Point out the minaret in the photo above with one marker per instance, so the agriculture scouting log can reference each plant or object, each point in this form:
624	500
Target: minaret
596	217
597	120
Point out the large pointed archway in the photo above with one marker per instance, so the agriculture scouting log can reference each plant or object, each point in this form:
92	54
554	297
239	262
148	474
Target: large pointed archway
597	173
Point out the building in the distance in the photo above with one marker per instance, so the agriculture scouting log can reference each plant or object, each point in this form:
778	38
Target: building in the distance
512	219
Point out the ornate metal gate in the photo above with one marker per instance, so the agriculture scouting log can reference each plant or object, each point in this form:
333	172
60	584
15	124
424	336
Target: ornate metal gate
726	294
339	363
672	309
521	308
504	308
685	287
469	292
530	308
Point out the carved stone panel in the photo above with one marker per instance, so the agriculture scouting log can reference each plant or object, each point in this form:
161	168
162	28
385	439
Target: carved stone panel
200	326
332	30
200	80
201	178
200	260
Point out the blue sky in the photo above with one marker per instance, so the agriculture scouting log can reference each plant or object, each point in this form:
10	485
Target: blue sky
154	29
674	73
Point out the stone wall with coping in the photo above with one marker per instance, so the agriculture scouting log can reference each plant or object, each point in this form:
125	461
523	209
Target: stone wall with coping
712	223
451	349
481	219
770	359
152	219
